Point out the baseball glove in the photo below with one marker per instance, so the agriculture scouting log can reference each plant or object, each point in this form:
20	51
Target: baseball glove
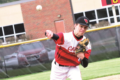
81	47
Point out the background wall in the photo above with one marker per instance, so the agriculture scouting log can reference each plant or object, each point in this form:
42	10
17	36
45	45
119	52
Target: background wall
10	15
36	22
83	5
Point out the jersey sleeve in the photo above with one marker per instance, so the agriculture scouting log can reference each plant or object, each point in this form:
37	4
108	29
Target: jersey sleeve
60	40
88	50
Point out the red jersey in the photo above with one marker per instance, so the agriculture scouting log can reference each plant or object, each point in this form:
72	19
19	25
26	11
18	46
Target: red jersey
65	49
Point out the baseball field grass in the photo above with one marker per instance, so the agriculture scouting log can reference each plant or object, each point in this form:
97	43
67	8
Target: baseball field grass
94	70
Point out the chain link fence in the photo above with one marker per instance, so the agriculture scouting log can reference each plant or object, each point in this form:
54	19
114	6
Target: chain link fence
36	56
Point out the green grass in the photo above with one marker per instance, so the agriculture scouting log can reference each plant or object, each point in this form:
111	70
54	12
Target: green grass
101	69
94	70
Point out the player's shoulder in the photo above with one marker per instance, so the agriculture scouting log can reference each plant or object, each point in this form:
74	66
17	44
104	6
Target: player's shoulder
84	37
67	34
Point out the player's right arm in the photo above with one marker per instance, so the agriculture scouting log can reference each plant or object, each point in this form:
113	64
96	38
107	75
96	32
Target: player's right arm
58	38
49	34
52	35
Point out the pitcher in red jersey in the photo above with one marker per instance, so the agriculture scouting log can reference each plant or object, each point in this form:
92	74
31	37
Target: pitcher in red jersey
66	63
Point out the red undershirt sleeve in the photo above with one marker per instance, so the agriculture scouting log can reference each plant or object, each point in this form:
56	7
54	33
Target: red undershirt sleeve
60	40
87	53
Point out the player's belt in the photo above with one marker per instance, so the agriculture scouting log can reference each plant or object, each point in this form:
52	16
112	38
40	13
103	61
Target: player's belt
60	64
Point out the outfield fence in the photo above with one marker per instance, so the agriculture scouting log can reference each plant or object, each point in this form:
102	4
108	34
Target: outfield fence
36	55
105	42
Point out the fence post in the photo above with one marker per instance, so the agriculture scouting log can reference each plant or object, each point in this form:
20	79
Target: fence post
118	39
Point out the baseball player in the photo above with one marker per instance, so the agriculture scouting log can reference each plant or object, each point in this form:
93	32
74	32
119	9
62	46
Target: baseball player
72	49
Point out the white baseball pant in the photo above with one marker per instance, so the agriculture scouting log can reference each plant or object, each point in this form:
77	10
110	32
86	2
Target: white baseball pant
62	73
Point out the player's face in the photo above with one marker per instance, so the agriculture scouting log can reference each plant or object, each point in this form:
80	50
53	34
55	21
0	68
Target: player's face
80	29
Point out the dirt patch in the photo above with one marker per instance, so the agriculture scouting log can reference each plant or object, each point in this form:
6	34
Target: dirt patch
114	77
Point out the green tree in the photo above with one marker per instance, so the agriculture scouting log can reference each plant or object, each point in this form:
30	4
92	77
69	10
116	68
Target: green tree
7	1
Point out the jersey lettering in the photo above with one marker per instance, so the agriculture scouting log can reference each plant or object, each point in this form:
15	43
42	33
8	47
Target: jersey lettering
70	48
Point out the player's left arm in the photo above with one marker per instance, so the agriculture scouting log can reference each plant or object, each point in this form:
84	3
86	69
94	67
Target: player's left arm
84	61
83	51
88	50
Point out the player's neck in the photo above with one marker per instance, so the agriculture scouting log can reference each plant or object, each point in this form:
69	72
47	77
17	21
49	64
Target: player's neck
78	37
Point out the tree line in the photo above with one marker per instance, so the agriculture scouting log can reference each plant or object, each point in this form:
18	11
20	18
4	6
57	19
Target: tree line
7	1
